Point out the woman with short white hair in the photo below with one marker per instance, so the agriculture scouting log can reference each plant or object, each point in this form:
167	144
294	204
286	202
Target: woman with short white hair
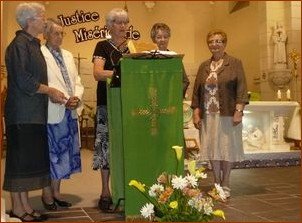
27	158
105	57
62	127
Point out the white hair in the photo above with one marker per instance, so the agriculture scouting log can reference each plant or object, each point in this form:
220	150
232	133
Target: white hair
49	25
25	11
115	14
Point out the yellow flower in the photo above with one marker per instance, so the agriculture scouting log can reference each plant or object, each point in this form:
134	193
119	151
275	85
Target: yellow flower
138	185
191	167
178	151
200	170
219	213
173	204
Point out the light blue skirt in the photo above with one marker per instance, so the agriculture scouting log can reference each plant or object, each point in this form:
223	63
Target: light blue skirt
64	147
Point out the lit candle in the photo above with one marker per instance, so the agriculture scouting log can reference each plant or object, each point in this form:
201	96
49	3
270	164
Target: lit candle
288	94
279	95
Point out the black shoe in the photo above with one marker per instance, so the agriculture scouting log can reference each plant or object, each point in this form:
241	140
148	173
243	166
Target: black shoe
23	217
38	216
62	203
50	207
104	203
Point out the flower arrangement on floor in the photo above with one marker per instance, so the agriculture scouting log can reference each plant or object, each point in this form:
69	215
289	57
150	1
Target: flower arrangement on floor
178	199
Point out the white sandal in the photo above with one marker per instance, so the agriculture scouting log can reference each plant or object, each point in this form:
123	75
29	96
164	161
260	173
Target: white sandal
227	191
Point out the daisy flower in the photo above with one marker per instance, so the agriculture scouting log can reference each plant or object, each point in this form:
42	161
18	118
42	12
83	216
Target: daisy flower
192	180
147	210
155	189
179	182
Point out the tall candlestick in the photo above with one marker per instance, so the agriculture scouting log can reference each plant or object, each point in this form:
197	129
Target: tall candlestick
288	94
279	95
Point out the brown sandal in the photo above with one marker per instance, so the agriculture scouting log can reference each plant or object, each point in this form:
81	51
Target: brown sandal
104	203
23	217
39	217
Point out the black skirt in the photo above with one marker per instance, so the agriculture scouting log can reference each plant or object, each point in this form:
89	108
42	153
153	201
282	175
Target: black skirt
27	158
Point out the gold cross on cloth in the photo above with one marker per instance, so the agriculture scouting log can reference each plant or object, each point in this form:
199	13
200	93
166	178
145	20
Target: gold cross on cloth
154	111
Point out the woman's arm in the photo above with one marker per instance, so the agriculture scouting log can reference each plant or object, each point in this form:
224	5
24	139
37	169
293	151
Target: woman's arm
98	70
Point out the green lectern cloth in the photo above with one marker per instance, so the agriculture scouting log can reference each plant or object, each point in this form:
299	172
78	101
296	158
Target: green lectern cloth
145	120
116	158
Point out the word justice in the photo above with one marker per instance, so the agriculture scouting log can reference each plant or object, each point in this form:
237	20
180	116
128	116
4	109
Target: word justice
79	17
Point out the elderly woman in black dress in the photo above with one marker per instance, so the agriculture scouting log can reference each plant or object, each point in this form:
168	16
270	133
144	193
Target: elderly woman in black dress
27	158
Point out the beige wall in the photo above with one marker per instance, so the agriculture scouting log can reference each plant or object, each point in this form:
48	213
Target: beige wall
189	21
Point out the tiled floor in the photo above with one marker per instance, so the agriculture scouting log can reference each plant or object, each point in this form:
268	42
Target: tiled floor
258	195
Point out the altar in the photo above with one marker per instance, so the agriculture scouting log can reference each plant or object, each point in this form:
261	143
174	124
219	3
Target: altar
267	123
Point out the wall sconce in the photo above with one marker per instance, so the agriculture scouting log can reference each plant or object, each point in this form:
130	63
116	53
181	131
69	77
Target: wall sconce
149	5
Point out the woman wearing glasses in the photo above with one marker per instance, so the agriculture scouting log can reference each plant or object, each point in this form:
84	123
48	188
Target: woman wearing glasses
219	97
27	158
160	34
62	123
105	57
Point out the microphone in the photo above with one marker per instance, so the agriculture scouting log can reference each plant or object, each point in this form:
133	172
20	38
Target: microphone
116	76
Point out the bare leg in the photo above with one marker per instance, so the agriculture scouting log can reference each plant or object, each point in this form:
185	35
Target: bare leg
47	195
105	183
216	167
17	204
25	202
105	199
226	172
55	184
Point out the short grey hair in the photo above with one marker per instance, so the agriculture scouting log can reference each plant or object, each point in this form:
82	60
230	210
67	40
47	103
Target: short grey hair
114	14
49	24
159	26
25	11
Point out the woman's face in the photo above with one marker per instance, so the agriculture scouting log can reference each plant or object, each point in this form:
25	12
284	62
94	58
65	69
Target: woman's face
162	39
55	36
216	44
38	23
119	28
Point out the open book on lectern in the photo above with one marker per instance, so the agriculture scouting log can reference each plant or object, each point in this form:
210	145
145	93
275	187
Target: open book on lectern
145	50
140	50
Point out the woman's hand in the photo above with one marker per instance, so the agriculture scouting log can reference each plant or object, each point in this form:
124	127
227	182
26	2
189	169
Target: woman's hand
72	103
237	118
197	118
56	96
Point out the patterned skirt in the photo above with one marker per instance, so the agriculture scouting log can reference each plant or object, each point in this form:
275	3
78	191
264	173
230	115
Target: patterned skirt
101	145
220	140
64	147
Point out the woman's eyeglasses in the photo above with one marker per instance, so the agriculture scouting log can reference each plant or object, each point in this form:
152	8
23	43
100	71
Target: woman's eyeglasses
215	41
118	22
59	34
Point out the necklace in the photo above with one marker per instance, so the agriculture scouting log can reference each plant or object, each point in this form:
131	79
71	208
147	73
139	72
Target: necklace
215	65
118	48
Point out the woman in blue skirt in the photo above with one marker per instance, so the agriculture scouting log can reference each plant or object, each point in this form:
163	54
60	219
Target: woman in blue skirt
62	127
